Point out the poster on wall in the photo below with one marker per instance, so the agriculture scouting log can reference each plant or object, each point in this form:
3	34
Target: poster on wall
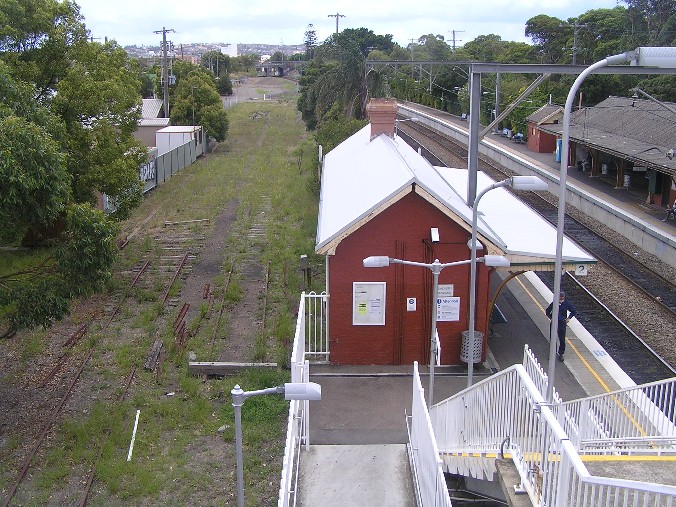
448	309
368	303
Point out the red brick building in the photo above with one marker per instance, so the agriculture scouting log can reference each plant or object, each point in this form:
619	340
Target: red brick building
380	197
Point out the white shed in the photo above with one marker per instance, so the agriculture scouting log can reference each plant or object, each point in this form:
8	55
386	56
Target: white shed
168	138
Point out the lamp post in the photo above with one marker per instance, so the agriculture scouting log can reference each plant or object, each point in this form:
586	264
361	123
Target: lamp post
664	57
379	261
290	390
517	183
192	99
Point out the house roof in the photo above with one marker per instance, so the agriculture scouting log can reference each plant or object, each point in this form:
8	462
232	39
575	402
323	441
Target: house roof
361	178
546	114
641	131
153	122
150	108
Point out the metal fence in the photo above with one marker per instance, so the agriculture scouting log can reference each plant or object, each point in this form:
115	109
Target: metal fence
163	167
426	465
297	428
508	411
317	327
633	420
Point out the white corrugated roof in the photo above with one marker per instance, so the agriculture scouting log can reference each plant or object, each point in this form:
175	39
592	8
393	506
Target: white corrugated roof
151	108
361	177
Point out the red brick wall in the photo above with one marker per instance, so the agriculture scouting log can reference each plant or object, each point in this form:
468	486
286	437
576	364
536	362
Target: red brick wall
540	142
400	232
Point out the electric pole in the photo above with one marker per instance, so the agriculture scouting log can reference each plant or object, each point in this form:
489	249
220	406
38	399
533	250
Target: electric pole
453	32
165	69
576	28
337	16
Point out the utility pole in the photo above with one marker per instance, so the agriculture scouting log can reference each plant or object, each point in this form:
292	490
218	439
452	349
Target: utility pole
576	28
453	32
165	69
337	16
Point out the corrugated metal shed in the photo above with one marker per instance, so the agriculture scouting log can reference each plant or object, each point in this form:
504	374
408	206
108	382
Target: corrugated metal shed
360	178
640	131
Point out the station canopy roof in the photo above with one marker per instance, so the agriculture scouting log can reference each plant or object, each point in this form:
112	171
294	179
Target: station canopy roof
362	177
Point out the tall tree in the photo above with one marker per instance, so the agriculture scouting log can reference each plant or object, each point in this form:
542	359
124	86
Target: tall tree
651	14
68	108
310	41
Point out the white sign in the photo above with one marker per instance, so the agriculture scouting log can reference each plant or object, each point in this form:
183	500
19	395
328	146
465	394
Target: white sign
448	309
445	290
581	270
410	304
368	303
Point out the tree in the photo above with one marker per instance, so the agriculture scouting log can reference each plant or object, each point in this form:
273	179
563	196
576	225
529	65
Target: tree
310	41
68	108
34	182
549	37
195	101
651	14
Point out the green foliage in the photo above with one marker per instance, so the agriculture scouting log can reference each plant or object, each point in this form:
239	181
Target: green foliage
79	264
196	101
335	128
34	185
89	250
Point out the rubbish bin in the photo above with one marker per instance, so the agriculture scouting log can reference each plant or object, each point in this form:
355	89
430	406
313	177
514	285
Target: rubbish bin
557	153
478	347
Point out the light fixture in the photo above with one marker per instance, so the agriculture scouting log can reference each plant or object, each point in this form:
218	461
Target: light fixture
380	261
434	234
309	391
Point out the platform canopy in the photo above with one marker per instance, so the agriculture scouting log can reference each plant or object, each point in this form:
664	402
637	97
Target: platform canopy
362	177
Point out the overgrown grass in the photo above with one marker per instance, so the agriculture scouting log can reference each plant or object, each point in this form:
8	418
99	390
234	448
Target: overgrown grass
179	452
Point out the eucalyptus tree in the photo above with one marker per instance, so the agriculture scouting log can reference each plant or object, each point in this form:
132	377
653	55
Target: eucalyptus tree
68	108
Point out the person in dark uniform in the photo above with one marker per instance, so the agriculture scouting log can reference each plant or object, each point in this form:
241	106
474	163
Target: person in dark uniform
566	312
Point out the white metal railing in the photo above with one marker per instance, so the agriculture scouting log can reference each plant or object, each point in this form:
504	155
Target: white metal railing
426	465
510	405
635	419
297	427
537	374
316	326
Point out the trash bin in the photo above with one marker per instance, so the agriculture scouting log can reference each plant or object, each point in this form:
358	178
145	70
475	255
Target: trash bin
557	153
478	347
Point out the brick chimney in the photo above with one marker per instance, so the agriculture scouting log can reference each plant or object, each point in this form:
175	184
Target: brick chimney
382	113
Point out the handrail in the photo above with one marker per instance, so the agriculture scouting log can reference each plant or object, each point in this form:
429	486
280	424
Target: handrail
427	466
637	418
510	404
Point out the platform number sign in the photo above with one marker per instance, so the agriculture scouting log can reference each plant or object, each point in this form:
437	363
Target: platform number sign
581	270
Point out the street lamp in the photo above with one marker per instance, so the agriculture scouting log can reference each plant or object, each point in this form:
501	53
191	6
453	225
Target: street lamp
290	390
192	99
664	57
380	261
517	183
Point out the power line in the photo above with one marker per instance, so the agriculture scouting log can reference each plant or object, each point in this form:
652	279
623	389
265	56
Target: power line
337	15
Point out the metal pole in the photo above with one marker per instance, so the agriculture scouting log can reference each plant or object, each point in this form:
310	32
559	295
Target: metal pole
565	139
436	269
237	402
472	275
473	140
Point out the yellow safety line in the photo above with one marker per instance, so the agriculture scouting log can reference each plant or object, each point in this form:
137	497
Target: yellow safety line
631	457
556	457
589	367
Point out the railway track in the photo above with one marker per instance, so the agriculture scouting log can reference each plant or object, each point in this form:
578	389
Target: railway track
160	267
645	352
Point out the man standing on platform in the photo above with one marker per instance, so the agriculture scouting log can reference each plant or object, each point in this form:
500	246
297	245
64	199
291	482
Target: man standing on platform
566	312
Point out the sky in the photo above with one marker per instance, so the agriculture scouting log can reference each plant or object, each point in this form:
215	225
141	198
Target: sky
277	22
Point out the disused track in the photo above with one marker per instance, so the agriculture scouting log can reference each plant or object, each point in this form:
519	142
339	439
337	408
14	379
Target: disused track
658	293
170	267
